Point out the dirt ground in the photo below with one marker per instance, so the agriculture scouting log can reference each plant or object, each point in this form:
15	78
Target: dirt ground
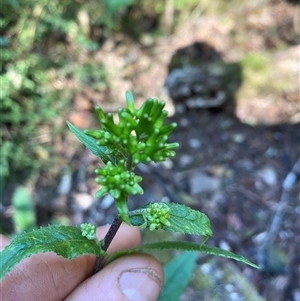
230	166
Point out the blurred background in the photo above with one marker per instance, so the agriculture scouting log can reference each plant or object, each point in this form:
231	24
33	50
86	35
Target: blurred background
229	73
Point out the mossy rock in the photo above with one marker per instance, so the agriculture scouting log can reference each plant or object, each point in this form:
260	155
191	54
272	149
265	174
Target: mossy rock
199	78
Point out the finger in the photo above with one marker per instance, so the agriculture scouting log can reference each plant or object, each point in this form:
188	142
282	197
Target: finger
51	277
137	277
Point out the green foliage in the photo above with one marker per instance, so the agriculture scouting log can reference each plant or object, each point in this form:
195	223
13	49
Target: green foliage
91	75
117	181
34	40
27	99
182	246
118	146
140	133
173	218
24	213
91	144
256	72
113	6
149	16
179	5
177	274
66	241
140	136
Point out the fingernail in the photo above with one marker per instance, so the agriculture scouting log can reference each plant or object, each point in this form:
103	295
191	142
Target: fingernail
140	285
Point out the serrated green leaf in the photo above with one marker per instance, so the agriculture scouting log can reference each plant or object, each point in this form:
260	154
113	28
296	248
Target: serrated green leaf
188	221
91	144
180	219
66	241
184	246
177	273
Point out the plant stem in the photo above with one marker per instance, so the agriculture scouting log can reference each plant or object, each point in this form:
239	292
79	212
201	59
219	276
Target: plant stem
129	163
112	231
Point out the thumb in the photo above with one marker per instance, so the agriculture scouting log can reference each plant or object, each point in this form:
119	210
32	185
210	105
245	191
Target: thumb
135	277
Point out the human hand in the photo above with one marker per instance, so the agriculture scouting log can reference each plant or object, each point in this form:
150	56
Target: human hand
136	277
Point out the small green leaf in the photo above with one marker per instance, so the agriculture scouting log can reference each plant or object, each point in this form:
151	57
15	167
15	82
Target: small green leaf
172	217
177	273
122	207
184	246
91	144
24	213
188	221
66	241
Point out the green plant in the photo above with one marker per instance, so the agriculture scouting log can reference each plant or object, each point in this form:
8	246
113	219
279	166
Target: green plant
140	136
23	214
177	275
35	62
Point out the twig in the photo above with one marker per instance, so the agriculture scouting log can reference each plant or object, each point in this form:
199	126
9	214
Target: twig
287	186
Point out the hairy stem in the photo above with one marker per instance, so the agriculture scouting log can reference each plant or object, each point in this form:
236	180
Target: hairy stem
112	231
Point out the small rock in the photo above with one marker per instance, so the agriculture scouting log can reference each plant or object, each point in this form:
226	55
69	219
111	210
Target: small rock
271	152
220	171
296	294
260	238
206	268
84	200
200	183
224	245
183	122
268	175
185	160
194	143
106	202
238	138
167	164
65	183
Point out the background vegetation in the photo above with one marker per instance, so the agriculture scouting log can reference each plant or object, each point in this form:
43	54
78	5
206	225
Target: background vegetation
45	47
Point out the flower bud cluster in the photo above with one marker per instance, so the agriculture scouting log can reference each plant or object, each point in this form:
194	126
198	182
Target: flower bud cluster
116	180
88	231
140	132
157	215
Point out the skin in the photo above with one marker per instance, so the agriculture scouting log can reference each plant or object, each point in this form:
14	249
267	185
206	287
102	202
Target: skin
51	277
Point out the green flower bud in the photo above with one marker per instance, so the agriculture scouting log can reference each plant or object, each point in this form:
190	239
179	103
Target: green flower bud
116	180
100	114
157	215
127	118
161	119
140	133
154	226
88	231
145	108
130	101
